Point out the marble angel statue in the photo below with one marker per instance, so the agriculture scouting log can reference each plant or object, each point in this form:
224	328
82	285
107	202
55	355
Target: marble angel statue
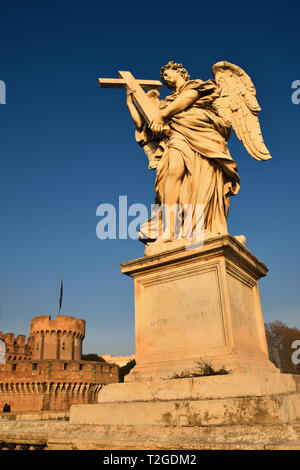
187	144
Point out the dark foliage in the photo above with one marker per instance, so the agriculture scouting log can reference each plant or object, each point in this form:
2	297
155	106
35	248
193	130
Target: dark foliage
124	370
92	357
204	369
280	339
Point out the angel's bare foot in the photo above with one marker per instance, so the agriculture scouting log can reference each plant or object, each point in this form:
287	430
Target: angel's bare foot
162	244
166	240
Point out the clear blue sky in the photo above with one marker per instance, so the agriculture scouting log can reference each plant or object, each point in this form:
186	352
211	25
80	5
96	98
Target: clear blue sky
67	146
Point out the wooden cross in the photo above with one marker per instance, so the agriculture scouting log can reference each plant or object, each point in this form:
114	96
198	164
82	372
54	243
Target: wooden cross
145	105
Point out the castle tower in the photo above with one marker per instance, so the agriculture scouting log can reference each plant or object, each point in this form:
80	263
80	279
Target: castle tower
57	339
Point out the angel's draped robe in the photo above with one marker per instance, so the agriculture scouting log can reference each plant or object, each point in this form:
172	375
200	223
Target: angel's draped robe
211	176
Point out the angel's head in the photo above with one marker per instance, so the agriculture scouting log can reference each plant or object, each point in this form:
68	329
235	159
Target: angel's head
171	72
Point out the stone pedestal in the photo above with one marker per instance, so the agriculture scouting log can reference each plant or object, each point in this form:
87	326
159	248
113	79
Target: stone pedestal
251	398
198	304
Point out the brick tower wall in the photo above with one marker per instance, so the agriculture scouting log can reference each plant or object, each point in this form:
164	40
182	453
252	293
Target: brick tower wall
57	339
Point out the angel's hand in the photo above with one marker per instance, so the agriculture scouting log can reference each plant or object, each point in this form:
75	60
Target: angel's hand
157	125
129	97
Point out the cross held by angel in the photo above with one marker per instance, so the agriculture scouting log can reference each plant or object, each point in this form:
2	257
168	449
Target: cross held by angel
185	137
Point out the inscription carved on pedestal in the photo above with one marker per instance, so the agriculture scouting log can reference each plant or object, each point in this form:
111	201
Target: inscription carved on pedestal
186	311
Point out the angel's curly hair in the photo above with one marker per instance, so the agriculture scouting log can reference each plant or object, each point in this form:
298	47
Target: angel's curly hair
174	66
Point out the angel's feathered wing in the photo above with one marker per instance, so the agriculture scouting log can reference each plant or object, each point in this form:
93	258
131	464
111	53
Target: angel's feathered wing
238	106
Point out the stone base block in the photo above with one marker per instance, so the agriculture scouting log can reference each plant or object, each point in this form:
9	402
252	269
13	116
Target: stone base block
60	435
203	401
255	437
198	304
202	388
221	412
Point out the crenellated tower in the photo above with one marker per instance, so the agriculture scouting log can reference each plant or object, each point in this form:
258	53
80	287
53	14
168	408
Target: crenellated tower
48	372
57	339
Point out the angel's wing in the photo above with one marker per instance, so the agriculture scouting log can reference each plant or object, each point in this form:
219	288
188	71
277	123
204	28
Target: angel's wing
238	106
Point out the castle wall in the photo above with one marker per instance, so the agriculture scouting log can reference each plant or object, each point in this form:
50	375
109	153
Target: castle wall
57	339
47	373
53	385
77	349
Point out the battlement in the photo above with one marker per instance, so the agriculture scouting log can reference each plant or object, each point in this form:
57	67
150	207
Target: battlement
52	376
10	339
49	339
16	347
63	324
89	370
57	339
